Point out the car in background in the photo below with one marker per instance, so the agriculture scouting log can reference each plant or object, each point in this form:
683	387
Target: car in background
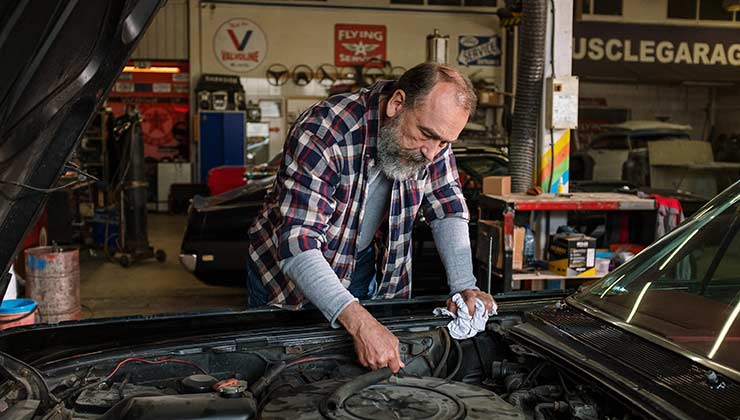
215	245
605	157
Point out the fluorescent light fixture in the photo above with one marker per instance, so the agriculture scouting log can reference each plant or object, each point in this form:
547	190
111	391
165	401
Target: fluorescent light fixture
725	330
688	238
611	286
638	301
134	69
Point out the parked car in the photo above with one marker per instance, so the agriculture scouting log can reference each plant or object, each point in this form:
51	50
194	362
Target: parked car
604	158
656	339
215	243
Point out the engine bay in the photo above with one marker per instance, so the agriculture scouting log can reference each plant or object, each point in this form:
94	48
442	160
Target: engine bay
489	376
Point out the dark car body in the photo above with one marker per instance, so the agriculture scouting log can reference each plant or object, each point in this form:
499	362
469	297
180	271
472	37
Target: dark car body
215	243
540	357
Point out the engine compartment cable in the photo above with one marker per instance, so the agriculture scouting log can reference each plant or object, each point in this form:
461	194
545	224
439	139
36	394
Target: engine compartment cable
123	362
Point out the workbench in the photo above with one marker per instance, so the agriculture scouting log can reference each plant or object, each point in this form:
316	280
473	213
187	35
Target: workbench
505	208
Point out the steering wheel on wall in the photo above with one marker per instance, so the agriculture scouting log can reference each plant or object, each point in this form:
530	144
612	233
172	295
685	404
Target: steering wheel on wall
302	75
277	75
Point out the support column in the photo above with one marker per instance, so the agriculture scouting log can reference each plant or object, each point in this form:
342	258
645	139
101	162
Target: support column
553	149
559	51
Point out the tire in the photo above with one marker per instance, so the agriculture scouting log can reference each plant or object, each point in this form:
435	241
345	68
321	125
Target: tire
160	255
125	261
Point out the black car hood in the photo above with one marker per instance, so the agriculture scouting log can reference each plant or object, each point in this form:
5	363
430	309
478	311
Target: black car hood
60	59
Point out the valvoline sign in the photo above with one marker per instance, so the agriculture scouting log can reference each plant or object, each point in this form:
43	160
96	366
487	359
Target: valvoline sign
240	45
357	44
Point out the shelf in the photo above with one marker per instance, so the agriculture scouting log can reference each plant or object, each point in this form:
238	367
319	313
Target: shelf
573	201
543	275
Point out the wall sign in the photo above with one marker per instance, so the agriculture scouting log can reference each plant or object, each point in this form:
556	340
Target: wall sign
661	53
240	45
474	50
358	44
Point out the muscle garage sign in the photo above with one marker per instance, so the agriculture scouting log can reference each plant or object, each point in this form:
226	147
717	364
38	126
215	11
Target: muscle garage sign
620	51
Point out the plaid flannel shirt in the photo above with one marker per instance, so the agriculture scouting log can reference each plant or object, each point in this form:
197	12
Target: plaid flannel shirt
317	199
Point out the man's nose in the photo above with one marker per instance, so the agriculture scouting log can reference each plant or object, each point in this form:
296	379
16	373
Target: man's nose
428	153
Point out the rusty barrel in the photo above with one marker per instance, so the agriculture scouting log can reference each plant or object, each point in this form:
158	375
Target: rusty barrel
53	281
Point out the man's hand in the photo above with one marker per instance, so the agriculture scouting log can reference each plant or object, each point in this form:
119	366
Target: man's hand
375	346
469	295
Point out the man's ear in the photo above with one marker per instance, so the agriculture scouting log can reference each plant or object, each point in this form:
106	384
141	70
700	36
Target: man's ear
395	103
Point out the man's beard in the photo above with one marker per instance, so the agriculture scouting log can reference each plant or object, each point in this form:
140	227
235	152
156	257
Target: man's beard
395	162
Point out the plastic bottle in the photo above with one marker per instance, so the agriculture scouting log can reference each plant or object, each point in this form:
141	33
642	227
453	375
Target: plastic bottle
528	246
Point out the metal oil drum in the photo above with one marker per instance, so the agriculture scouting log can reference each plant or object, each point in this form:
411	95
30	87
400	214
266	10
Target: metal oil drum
53	281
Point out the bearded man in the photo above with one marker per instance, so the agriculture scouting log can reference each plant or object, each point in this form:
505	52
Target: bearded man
337	227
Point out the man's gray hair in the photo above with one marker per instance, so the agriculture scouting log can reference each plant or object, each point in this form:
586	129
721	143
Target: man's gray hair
419	81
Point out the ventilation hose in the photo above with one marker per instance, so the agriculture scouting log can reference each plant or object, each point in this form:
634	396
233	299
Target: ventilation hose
530	70
337	399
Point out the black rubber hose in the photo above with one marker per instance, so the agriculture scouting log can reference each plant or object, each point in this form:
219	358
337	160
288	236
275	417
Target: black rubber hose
458	365
443	361
557	406
337	399
530	70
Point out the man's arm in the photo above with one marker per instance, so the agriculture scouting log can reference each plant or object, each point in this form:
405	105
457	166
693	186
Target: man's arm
318	282
447	213
452	239
309	176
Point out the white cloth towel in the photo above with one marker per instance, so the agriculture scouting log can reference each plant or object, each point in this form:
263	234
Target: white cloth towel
463	325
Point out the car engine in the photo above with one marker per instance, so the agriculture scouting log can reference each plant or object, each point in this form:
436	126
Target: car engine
485	377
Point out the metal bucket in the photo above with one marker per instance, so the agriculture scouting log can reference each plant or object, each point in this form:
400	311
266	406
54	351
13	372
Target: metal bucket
53	281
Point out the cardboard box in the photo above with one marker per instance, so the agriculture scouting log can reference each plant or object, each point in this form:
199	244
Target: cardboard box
490	97
490	232
572	255
497	185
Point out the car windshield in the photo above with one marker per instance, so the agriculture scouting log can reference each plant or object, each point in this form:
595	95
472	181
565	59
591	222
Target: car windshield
686	287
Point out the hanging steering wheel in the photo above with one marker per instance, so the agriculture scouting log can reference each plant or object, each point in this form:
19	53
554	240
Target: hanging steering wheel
326	74
397	72
302	75
348	74
374	70
277	75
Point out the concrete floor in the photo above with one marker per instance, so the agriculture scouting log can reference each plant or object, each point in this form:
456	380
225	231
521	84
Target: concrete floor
150	287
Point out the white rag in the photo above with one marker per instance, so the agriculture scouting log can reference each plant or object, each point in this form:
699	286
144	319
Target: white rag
463	325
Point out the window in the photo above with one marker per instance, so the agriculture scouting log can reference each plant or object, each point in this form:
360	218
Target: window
688	289
471	3
699	10
682	9
602	7
607	7
586	8
481	3
713	10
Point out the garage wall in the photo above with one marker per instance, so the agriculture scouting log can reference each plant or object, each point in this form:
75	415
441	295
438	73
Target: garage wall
677	104
305	35
167	37
682	104
728	110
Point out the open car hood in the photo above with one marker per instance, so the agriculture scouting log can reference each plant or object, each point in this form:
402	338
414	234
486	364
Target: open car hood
60	59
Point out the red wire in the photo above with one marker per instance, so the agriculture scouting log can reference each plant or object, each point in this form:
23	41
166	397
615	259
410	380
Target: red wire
152	362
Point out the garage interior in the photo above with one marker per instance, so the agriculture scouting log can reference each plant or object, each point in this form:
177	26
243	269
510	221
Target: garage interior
593	116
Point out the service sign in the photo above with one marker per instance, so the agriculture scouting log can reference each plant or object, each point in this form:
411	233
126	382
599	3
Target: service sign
358	44
475	50
240	45
660	53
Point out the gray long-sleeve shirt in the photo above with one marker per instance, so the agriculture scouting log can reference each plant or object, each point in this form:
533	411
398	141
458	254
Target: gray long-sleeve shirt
317	281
